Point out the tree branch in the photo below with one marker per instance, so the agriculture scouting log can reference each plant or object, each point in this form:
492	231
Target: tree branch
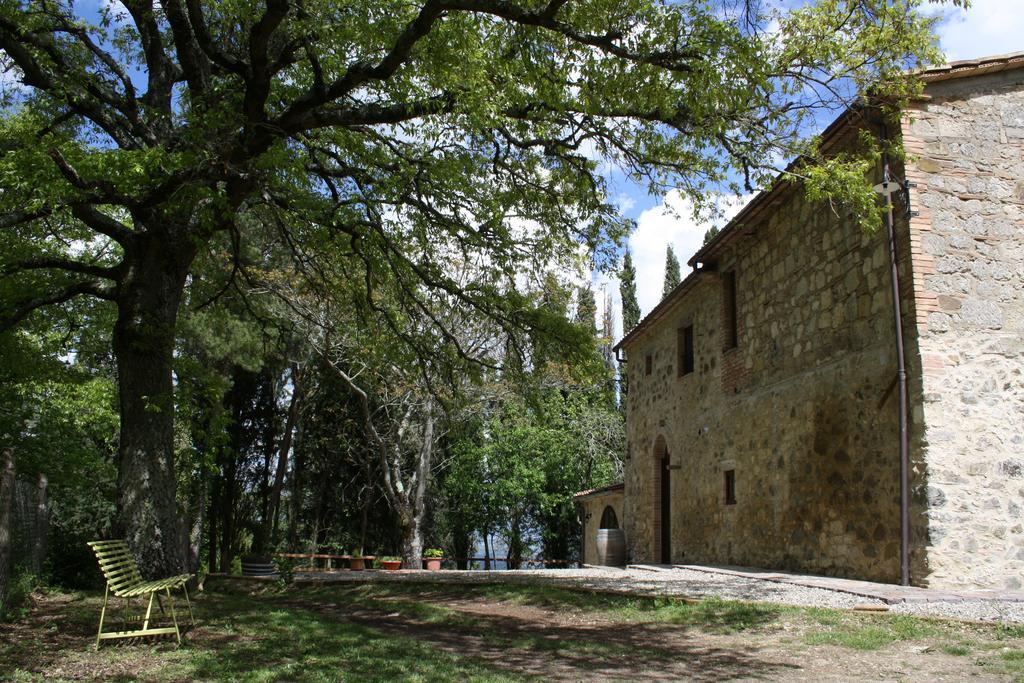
362	72
258	80
108	193
206	43
194	63
163	73
671	60
53	263
102	223
88	287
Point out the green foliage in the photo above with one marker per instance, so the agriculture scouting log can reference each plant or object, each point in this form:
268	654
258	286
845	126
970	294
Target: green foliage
61	420
874	634
284	567
627	288
18	601
517	472
845	182
586	309
672	274
710	234
433	553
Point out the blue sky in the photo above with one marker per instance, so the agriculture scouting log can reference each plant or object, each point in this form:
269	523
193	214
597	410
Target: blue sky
989	27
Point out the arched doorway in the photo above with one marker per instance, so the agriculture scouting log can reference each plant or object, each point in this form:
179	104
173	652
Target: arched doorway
662	540
609	520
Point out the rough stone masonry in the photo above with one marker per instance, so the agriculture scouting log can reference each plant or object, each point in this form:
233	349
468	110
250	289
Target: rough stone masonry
763	413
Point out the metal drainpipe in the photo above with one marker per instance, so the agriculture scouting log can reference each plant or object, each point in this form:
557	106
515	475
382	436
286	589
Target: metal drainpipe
888	187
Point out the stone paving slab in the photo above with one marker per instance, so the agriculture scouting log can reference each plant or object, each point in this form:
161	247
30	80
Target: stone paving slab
886	592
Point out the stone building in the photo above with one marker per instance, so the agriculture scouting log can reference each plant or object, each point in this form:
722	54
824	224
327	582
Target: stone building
763	414
601	508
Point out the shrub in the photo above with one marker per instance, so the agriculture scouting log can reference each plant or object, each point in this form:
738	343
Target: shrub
285	567
19	592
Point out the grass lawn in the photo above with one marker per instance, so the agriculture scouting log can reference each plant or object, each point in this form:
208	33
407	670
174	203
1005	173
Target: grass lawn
371	632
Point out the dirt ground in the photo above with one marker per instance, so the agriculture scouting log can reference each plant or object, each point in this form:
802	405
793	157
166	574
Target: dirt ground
500	636
662	652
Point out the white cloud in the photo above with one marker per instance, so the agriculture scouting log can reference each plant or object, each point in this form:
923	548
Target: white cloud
671	222
988	27
625	202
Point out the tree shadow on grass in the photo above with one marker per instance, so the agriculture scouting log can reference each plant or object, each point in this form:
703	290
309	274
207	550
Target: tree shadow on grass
573	652
351	635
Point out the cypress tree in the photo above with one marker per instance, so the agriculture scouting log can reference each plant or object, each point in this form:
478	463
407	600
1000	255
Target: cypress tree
586	308
627	289
630	314
672	275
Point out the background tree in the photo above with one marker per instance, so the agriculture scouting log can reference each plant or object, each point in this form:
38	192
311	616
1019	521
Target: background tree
672	274
630	312
586	309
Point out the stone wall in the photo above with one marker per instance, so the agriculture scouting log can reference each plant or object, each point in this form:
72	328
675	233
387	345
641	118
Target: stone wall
803	411
593	507
967	147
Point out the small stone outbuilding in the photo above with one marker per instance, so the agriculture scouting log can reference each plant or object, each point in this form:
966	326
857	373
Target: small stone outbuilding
763	413
600	508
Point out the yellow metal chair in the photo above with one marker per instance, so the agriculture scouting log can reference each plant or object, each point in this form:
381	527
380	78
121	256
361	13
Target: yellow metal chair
124	580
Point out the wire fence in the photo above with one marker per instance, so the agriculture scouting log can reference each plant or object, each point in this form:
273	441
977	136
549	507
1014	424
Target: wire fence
30	524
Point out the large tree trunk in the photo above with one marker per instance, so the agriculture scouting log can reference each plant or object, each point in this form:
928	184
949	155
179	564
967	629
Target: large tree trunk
415	514
487	549
282	456
212	530
412	542
515	543
297	481
198	521
6	505
143	343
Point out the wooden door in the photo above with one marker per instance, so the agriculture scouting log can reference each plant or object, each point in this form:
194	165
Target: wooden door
666	511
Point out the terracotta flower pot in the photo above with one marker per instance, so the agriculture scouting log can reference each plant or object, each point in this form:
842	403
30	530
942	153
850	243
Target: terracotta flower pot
356	564
432	563
391	565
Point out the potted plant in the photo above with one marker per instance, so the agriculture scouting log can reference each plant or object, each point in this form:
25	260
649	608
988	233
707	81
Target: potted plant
391	563
356	563
432	558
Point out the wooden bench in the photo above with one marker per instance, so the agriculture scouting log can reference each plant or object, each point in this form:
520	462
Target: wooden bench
124	580
345	560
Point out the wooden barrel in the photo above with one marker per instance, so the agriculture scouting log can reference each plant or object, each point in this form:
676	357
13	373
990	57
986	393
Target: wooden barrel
611	547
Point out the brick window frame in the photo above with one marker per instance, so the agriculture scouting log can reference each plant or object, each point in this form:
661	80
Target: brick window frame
730	311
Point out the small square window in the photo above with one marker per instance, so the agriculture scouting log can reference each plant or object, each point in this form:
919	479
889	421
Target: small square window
648	364
730	487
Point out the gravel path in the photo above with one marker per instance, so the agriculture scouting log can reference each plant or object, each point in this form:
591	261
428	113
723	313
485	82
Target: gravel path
973	610
695	584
